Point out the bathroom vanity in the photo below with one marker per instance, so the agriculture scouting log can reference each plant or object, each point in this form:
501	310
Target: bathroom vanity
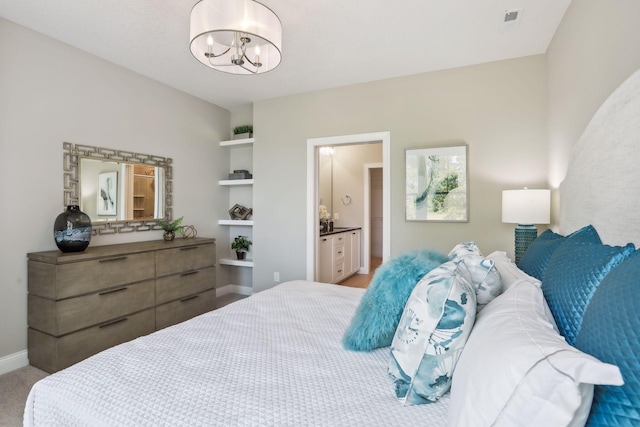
339	254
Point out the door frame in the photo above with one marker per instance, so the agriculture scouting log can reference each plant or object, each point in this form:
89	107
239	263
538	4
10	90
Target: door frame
366	250
313	199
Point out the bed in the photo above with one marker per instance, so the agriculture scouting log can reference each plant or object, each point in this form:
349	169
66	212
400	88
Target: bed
272	359
277	358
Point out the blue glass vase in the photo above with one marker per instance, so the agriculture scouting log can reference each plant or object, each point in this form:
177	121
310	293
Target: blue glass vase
72	230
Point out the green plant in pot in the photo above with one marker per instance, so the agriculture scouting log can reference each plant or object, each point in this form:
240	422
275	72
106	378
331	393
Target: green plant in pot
241	245
244	131
170	228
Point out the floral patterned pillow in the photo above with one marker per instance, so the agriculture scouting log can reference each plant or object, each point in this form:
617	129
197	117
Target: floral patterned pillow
483	273
432	332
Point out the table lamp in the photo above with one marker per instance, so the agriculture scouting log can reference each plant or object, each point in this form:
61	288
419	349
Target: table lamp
525	207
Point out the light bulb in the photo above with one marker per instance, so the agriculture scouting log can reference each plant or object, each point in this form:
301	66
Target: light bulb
257	50
210	40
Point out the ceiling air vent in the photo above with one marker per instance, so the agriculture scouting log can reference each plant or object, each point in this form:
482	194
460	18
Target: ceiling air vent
511	19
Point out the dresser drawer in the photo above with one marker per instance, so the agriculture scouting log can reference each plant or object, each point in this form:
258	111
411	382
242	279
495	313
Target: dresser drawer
188	258
170	288
52	354
185	308
68	315
77	278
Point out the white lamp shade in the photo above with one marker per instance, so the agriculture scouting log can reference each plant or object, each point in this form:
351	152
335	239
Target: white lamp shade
526	206
222	19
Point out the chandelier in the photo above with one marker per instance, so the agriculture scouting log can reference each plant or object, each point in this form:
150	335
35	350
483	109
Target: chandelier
236	36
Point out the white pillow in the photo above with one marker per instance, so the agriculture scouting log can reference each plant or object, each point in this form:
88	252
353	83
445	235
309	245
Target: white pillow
509	271
516	369
484	275
433	329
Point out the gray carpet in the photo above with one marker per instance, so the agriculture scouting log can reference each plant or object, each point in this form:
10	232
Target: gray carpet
14	388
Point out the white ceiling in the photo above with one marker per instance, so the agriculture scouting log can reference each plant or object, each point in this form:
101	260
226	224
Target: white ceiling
326	43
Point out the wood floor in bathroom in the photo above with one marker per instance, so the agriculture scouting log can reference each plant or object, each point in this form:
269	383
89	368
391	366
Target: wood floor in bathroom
363	280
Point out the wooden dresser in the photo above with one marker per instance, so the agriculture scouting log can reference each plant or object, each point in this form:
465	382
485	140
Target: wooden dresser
82	303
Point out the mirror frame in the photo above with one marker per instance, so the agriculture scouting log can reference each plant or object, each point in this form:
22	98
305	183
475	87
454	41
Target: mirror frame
72	155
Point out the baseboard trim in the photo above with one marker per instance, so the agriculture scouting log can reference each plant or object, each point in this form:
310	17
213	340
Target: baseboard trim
233	289
14	361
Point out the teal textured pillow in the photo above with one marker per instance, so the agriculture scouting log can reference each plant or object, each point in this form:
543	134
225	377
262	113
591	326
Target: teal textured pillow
610	333
574	272
433	330
378	314
535	260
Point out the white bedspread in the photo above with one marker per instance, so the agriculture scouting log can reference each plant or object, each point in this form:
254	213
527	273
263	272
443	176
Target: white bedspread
272	359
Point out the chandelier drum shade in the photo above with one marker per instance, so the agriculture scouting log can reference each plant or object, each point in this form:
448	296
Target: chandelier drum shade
236	36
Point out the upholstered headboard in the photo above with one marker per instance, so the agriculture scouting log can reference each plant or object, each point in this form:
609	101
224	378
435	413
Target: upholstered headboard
602	186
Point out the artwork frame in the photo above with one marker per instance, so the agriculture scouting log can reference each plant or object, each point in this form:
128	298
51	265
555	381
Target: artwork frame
107	194
437	183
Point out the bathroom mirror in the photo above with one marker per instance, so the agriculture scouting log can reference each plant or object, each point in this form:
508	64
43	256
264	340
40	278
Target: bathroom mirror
325	178
121	191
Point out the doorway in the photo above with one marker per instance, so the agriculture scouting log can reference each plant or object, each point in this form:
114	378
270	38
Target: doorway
313	193
374	215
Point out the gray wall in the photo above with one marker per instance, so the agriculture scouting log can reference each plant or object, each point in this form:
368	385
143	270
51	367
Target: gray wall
499	109
50	93
596	47
348	179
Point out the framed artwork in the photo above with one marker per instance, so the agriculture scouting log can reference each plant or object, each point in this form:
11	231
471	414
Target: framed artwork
436	184
107	193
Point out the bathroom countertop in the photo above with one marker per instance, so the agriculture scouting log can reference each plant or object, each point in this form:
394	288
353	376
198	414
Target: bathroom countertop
337	230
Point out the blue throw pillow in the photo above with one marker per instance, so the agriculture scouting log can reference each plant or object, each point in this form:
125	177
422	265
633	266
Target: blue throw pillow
433	330
378	314
574	272
535	260
610	333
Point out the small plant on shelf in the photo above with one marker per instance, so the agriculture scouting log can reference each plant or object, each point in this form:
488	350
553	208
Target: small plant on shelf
241	245
245	130
170	228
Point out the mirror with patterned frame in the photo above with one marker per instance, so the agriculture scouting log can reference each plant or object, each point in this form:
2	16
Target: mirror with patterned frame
121	191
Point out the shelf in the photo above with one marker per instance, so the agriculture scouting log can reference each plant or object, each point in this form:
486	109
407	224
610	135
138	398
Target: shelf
236	262
236	182
242	222
237	142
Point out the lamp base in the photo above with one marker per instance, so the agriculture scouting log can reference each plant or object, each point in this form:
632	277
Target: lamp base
525	234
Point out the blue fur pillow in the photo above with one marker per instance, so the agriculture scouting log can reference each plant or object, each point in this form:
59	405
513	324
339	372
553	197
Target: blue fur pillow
377	317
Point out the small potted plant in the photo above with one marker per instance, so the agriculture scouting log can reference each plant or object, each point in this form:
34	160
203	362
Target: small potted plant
241	245
170	228
242	132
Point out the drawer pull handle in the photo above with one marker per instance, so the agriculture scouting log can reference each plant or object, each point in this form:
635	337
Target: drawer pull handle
339	238
189	298
115	322
188	248
324	240
339	271
339	252
113	291
120	258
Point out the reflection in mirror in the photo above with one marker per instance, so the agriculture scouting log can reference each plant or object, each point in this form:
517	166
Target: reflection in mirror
112	191
120	191
325	178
